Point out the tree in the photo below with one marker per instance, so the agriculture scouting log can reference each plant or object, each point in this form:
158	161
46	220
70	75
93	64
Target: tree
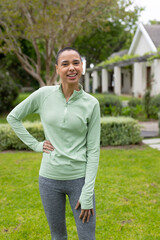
49	25
99	43
154	22
11	65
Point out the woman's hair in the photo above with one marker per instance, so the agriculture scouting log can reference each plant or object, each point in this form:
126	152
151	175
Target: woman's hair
65	49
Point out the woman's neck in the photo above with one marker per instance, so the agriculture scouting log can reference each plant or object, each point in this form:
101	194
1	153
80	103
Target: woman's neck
68	90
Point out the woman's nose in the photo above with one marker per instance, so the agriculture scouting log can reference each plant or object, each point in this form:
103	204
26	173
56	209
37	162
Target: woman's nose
71	67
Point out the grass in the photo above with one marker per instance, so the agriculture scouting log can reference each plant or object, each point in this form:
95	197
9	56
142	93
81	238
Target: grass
127	194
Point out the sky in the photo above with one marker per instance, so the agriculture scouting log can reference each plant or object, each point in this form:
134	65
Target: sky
151	12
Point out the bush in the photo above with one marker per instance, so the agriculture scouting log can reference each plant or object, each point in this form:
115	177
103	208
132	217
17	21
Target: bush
134	112
9	140
109	104
119	131
159	122
8	92
114	131
155	106
147	103
133	102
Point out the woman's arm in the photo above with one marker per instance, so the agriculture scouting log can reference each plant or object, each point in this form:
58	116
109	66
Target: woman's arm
29	105
93	150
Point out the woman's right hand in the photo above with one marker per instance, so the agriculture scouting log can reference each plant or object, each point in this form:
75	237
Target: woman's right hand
47	145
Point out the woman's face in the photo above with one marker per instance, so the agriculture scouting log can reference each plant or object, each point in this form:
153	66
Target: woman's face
69	67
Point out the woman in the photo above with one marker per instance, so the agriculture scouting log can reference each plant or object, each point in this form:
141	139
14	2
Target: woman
71	122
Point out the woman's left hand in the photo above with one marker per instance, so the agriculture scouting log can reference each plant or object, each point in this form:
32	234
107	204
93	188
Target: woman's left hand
85	213
47	145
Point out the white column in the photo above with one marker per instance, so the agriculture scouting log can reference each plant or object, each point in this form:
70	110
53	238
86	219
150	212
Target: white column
156	77
104	80
117	80
139	79
95	81
86	77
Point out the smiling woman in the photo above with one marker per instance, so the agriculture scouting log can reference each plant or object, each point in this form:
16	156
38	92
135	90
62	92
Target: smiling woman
71	123
69	67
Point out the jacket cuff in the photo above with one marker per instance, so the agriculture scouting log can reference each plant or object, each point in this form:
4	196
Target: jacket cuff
86	203
39	147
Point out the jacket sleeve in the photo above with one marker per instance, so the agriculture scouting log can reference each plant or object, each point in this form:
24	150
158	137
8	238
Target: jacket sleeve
29	105
93	150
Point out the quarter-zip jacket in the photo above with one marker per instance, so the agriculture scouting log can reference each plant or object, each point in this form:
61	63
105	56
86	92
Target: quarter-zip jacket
72	127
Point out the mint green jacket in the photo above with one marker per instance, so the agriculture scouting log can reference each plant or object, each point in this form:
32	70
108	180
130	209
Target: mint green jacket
72	127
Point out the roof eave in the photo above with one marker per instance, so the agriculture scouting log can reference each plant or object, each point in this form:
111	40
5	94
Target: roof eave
147	37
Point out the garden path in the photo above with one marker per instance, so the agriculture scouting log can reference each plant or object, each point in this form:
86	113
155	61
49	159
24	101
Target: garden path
150	130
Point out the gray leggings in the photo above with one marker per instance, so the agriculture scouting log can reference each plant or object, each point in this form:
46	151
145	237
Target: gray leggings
53	195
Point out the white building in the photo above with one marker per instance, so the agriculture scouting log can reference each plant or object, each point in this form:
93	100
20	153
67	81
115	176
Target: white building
132	76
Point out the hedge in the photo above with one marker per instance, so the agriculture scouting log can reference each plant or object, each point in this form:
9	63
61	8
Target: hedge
119	131
110	105
114	131
9	140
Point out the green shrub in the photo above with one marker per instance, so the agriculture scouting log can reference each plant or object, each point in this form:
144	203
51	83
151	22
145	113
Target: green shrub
136	112
109	104
8	92
159	122
119	131
155	106
9	140
147	103
133	102
114	131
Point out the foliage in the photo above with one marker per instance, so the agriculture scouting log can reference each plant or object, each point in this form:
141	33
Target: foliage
117	59
99	44
109	104
48	26
159	122
154	22
114	35
133	102
147	103
154	106
136	112
126	189
154	56
8	92
10	63
21	97
119	131
9	140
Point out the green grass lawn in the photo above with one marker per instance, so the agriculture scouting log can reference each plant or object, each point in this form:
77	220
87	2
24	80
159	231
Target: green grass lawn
127	195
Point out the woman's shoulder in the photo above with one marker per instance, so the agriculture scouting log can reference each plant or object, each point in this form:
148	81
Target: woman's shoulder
90	98
43	92
48	88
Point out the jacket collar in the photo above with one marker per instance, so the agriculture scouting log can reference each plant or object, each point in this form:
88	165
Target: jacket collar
76	94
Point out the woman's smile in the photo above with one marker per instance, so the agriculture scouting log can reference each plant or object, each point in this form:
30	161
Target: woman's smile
72	76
